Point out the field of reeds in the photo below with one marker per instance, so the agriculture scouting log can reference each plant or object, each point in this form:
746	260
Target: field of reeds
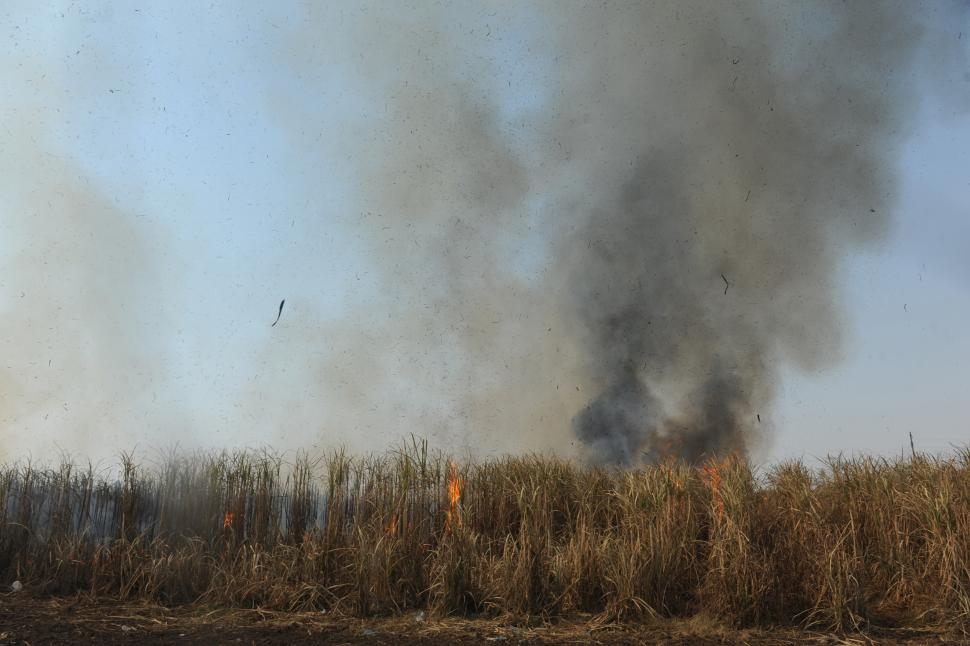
854	543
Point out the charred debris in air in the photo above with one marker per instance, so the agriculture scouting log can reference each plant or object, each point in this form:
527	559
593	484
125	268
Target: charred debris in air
279	314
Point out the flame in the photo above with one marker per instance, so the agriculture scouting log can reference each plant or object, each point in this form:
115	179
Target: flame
712	477
671	477
455	483
392	526
227	520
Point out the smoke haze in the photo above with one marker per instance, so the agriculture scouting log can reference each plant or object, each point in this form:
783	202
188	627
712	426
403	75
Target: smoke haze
595	230
756	178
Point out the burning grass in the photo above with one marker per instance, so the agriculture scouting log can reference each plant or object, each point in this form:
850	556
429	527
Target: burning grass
859	542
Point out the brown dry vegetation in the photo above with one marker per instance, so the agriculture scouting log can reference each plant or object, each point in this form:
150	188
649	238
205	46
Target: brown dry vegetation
81	619
860	543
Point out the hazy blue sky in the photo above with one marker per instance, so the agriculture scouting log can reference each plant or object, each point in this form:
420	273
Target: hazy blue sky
170	171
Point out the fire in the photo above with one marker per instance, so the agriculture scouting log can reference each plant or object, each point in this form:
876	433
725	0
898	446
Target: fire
712	477
392	526
455	483
671	477
227	520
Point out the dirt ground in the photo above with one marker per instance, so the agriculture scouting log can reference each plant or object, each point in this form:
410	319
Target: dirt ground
81	620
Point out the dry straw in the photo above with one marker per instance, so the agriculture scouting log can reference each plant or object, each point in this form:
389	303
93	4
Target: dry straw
858	542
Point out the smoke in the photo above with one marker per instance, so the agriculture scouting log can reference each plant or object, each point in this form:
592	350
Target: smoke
698	174
551	195
81	291
449	330
76	290
594	230
745	152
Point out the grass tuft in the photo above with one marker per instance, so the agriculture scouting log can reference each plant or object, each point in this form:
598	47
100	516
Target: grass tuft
856	543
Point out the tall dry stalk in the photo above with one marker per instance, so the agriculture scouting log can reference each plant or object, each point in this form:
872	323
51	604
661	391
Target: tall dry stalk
858	542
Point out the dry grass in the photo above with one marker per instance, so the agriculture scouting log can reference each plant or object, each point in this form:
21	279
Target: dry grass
859	542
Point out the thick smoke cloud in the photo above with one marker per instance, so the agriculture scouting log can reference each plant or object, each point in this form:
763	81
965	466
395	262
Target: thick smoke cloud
746	150
533	208
678	149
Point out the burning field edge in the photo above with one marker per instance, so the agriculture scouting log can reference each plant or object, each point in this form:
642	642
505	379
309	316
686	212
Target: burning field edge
860	545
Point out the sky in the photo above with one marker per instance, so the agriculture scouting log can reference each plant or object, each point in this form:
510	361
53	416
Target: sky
170	172
908	300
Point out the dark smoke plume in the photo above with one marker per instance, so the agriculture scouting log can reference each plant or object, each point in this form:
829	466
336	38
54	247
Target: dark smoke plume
743	140
557	222
500	226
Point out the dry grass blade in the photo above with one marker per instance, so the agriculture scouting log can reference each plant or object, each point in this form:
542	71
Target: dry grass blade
859	543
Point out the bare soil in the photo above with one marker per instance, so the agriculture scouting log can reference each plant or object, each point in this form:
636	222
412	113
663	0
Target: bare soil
82	620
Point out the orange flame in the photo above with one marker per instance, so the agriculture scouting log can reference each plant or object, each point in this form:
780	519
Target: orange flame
227	520
671	477
392	526
455	483
712	477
